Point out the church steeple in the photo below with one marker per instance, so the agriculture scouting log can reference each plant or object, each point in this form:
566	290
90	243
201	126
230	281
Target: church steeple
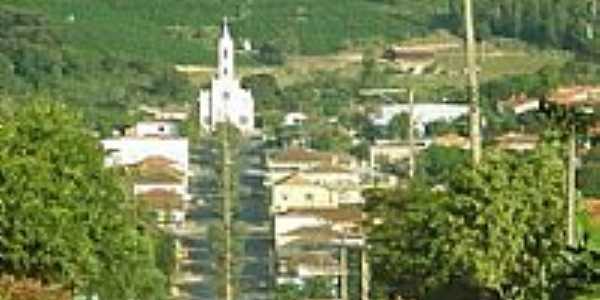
225	54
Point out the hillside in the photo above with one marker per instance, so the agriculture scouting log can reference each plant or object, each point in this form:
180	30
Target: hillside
183	31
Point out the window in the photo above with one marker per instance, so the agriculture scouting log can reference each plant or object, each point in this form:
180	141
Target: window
226	95
161	128
309	197
243	120
225	53
284	197
225	71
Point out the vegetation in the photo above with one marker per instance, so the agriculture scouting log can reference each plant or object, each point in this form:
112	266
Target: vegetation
108	88
548	23
589	175
89	239
498	230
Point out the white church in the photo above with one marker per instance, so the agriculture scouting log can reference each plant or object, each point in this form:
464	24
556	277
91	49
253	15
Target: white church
226	101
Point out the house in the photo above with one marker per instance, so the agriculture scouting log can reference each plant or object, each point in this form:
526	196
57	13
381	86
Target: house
345	222
168	206
580	96
453	140
169	113
392	152
423	113
410	60
159	173
294	119
125	151
154	128
519	104
297	192
321	231
293	159
517	141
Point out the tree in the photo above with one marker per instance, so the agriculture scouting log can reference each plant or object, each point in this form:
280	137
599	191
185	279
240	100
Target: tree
399	127
589	174
498	229
270	54
87	237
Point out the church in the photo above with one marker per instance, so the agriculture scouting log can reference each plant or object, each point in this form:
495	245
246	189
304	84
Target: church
226	100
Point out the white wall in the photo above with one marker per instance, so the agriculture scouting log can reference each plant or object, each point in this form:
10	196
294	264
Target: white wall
162	128
132	150
423	113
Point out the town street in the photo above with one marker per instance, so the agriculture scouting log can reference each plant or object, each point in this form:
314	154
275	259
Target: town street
199	281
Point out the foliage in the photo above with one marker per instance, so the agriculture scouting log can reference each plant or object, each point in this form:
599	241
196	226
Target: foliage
399	127
549	23
88	238
589	174
269	54
35	59
499	228
438	164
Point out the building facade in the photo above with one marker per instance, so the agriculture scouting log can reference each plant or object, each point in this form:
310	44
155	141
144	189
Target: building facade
226	101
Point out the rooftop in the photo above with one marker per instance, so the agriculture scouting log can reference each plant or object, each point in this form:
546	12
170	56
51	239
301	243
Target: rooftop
165	174
161	199
294	179
299	155
576	96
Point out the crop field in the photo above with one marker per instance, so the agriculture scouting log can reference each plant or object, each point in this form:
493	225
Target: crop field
183	31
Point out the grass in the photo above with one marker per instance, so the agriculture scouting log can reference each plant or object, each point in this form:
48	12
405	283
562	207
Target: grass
139	28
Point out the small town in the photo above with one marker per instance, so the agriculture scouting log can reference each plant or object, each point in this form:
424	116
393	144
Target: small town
299	150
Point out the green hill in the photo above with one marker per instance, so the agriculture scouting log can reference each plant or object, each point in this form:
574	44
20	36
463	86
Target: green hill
183	31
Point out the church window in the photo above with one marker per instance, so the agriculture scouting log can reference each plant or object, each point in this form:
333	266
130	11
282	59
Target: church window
226	95
225	53
225	71
243	120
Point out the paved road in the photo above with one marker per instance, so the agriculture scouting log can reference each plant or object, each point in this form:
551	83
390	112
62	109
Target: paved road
199	281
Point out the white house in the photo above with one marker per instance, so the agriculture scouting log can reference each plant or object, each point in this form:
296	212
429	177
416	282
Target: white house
294	119
132	150
423	113
226	101
156	128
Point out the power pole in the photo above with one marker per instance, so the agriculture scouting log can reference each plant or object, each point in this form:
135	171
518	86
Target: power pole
344	271
472	69
227	195
411	133
571	190
365	274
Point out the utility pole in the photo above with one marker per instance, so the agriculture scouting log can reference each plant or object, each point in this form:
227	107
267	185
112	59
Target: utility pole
365	274
472	70
571	190
411	133
344	270
227	195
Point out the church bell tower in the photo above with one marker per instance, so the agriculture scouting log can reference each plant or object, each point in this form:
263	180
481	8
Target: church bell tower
226	52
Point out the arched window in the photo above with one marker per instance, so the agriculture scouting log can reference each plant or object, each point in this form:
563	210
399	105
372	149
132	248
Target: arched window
225	53
224	71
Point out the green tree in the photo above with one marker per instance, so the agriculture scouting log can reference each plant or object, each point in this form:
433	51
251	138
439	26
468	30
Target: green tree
399	127
589	174
64	217
499	229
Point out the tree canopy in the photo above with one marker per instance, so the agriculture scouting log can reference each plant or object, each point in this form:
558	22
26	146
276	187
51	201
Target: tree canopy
499	229
65	218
